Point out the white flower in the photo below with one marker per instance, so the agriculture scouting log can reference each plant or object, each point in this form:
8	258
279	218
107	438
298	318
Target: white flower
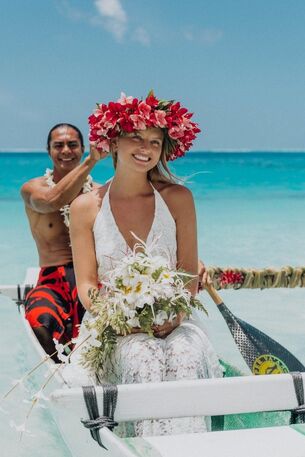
123	100
160	318
160	290
129	300
145	299
93	341
60	348
172	316
65	210
134	322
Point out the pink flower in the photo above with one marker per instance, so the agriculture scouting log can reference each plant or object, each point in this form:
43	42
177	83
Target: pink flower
176	132
103	144
144	109
160	116
138	122
124	100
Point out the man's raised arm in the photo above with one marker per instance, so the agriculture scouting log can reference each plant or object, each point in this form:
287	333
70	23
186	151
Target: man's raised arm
42	198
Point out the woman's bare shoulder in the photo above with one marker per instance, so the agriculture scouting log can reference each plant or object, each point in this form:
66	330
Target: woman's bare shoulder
173	191
176	196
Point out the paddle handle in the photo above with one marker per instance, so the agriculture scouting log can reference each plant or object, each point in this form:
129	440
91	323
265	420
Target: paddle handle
214	295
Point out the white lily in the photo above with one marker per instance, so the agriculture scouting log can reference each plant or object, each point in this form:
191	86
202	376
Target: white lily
134	322
160	318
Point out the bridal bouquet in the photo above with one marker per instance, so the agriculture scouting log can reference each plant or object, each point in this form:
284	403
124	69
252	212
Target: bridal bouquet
141	291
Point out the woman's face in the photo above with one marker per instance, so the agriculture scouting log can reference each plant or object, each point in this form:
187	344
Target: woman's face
141	149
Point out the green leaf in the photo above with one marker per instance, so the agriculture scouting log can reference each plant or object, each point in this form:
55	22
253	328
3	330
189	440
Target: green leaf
150	93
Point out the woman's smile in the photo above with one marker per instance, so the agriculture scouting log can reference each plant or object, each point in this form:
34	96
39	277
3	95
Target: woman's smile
141	158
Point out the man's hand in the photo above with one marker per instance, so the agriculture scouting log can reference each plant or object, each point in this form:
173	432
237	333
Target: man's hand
204	280
97	154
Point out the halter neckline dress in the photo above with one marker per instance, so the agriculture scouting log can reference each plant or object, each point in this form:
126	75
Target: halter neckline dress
110	244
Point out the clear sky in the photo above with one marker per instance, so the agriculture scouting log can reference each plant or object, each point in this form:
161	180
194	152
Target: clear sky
239	65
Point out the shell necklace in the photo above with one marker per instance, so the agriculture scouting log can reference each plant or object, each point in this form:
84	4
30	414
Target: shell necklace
65	210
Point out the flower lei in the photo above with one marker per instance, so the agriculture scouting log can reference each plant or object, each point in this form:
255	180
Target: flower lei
129	114
230	277
65	210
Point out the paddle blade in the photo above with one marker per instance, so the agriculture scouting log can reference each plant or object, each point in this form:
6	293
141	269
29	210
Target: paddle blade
262	354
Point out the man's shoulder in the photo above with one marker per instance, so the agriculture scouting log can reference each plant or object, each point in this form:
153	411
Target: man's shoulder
32	185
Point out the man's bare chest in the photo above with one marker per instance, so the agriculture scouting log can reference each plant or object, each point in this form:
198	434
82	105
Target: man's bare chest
48	226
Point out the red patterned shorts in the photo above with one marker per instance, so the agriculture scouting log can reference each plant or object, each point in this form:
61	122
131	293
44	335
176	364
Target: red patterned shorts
54	303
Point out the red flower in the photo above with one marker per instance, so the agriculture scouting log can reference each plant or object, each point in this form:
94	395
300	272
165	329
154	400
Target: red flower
152	100
229	277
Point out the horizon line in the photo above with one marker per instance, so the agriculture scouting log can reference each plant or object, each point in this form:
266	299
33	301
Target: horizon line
214	150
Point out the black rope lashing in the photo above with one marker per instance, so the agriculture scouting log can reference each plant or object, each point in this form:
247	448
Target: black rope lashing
110	398
95	421
298	414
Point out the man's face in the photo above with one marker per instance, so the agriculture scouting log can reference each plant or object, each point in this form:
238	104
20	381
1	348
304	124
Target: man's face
65	149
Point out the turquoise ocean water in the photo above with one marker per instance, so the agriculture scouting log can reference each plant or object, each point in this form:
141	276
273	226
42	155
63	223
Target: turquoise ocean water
250	211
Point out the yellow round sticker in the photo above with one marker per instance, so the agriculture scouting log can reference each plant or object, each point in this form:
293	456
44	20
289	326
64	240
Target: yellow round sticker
268	364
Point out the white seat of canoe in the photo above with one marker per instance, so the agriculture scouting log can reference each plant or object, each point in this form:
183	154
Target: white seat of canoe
217	396
265	442
182	399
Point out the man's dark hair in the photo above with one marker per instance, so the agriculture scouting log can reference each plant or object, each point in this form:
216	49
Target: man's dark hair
81	138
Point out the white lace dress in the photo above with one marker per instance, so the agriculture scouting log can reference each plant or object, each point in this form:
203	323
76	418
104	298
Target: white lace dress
184	354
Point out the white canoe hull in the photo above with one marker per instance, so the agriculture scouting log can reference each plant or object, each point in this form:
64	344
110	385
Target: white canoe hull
179	399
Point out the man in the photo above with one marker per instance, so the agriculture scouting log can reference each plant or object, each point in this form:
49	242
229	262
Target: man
52	307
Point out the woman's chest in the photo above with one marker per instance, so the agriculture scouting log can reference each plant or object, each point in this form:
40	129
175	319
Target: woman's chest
136	216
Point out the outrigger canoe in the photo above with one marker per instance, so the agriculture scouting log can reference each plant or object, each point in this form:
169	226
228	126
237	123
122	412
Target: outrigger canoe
212	397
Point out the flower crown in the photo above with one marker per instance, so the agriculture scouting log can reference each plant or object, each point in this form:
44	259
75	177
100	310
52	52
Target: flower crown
129	114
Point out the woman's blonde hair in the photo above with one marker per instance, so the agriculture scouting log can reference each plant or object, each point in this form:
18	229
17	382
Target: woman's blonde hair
161	171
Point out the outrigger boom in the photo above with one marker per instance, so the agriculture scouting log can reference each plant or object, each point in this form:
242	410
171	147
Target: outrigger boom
17	292
223	278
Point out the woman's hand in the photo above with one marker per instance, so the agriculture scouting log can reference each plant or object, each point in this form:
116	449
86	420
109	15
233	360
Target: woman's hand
136	330
162	331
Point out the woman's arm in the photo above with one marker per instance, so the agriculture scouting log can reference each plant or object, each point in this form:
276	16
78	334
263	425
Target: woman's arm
186	226
181	204
83	211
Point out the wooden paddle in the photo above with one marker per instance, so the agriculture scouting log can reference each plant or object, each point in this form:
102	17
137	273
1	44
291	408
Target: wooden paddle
262	354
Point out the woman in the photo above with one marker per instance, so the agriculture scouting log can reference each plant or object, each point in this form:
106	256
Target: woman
143	199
